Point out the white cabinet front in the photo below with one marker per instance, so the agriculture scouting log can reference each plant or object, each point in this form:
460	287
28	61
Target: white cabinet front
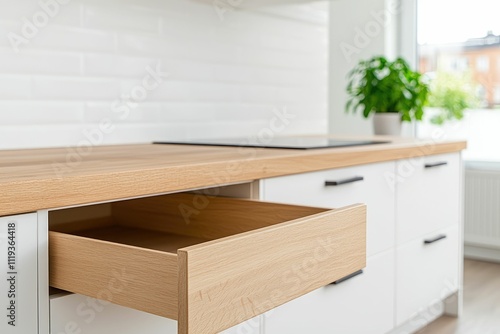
427	272
18	285
368	184
428	195
73	313
360	305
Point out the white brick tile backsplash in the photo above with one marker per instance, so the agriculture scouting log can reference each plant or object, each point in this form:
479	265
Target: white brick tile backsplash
47	135
116	65
16	10
188	91
39	62
7	26
145	112
117	17
15	87
40	112
135	44
65	14
227	76
189	70
52	88
63	38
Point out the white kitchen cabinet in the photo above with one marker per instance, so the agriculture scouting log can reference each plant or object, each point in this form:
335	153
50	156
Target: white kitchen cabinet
427	271
363	304
408	201
74	313
373	189
428	195
18	285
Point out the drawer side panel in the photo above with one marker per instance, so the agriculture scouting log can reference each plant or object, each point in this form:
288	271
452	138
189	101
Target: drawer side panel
130	276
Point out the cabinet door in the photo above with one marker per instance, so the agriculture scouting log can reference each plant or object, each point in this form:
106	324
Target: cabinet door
360	305
18	286
428	195
345	187
427	272
73	313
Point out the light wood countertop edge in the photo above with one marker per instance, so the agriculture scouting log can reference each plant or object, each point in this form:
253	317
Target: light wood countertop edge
24	190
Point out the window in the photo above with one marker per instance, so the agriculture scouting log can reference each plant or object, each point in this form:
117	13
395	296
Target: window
497	94
461	64
482	64
466	52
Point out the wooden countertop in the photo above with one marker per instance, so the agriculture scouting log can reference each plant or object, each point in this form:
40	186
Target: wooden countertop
37	179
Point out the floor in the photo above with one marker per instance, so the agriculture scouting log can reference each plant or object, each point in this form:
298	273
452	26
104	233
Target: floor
481	314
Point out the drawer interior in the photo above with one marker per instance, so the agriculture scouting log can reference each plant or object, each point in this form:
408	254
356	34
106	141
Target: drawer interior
139	237
169	222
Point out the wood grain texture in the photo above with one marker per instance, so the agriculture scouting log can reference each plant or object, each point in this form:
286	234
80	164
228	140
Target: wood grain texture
234	279
204	217
50	178
134	277
138	237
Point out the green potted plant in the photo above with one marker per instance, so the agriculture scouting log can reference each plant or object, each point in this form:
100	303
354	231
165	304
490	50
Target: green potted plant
451	94
388	89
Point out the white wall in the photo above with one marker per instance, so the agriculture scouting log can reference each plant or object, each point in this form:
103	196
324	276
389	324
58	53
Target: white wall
229	70
361	29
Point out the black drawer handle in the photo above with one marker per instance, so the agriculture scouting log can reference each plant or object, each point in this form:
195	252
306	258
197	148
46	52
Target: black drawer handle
436	164
431	241
344	181
348	277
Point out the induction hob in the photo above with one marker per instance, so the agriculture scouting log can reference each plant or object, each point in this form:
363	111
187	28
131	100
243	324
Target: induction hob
297	143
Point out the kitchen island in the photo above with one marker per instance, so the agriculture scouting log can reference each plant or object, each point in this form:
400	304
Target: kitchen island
407	244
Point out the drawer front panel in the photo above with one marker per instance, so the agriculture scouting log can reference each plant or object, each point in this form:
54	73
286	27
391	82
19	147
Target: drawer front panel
228	281
428	195
73	313
360	305
426	272
18	282
374	191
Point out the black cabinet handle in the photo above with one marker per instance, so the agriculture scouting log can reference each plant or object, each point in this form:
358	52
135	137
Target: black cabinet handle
344	181
348	277
431	241
436	164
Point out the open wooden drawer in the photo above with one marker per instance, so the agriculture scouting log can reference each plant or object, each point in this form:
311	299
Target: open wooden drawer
209	265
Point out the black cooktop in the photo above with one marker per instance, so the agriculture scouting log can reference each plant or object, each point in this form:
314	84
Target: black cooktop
297	143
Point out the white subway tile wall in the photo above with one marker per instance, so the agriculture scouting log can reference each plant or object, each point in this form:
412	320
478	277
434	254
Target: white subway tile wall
81	62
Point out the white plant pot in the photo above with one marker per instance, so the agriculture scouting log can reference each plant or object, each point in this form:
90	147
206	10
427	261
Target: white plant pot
387	124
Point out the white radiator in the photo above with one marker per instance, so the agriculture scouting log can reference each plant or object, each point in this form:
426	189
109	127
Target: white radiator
482	211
